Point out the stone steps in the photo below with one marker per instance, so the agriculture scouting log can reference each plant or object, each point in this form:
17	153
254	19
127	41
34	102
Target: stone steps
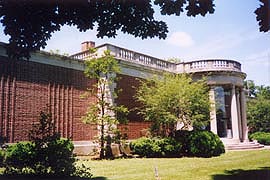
244	146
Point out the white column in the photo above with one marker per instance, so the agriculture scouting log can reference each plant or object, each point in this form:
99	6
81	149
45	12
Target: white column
234	116
239	115
213	118
244	116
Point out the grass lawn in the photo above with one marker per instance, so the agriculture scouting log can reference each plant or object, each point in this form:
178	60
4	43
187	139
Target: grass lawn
233	165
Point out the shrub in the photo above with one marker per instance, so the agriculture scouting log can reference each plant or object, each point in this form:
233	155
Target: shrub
142	146
56	158
2	155
19	158
261	137
204	144
156	147
182	137
169	147
46	155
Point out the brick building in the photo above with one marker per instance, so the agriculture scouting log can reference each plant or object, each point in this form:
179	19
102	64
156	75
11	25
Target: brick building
57	82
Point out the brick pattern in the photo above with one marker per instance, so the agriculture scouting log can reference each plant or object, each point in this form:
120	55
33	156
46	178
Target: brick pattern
134	130
26	88
136	126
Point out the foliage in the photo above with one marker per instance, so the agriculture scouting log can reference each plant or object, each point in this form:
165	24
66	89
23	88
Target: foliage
33	22
156	147
258	108
20	158
171	99
46	155
205	144
3	140
58	52
103	113
263	16
183	143
199	143
182	136
83	171
258	115
250	87
174	60
261	137
2	156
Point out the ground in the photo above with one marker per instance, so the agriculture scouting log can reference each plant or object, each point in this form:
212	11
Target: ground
233	165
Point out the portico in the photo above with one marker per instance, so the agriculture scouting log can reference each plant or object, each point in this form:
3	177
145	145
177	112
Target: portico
228	115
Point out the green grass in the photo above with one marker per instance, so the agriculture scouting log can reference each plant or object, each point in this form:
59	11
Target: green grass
232	165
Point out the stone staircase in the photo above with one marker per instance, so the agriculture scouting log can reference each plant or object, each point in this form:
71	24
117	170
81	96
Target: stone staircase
243	146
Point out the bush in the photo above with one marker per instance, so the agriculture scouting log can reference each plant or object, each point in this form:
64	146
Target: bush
2	155
183	143
204	144
261	137
182	137
46	155
54	159
199	143
142	147
169	147
156	147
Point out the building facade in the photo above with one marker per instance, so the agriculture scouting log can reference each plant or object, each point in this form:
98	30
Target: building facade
57	82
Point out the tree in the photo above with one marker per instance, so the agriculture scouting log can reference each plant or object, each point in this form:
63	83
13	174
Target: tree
31	23
174	99
250	87
258	108
103	113
174	60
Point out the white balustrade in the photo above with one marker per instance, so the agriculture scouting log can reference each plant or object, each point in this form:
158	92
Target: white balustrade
188	67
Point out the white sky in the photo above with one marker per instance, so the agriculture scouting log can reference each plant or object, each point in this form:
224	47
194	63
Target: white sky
232	32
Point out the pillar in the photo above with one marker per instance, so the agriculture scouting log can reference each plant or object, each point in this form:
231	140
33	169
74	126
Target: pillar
244	116
239	114
234	116
213	118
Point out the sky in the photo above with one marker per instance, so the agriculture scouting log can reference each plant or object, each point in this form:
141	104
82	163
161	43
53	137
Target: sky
232	32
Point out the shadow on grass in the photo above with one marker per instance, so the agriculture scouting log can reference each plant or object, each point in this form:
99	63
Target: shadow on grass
48	178
239	174
99	178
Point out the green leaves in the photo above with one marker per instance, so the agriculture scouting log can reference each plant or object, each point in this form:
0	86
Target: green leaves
258	108
103	113
173	98
31	23
263	15
97	67
193	7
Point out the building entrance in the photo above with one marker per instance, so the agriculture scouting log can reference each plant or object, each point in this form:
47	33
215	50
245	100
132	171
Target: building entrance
223	111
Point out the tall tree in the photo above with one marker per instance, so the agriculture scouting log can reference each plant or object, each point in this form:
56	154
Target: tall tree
30	23
258	110
173	99
103	113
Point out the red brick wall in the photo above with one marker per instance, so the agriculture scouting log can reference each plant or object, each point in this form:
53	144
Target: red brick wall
136	126
27	87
